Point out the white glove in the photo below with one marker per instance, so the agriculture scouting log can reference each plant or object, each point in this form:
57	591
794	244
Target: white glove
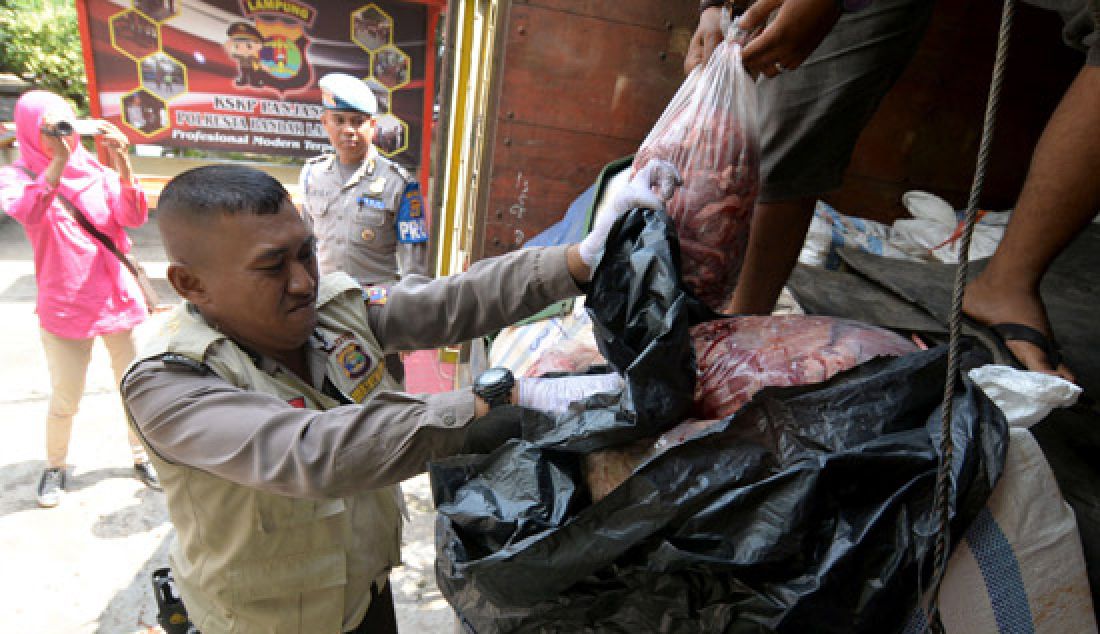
553	396
650	188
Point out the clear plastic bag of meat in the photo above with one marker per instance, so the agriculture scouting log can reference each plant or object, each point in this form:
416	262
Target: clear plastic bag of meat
709	131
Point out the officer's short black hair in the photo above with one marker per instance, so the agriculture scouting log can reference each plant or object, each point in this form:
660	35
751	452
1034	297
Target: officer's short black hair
204	192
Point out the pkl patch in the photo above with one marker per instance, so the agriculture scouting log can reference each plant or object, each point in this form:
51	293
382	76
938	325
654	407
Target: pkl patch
410	217
376	295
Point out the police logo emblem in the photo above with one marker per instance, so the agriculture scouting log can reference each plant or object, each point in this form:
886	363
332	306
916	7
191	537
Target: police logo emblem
353	361
367	235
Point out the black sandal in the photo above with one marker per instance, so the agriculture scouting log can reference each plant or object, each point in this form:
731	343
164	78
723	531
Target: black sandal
1019	332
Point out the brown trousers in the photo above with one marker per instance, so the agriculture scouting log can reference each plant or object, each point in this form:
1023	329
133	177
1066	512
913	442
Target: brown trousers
67	360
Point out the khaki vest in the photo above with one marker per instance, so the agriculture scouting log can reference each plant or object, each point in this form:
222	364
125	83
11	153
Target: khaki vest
250	561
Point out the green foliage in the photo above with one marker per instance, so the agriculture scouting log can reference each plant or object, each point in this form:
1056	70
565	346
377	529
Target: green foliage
40	42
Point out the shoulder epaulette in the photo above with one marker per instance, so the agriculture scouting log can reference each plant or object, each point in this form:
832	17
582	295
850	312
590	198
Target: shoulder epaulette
181	361
401	171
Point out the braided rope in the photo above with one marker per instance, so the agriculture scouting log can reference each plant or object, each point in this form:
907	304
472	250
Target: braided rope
947	448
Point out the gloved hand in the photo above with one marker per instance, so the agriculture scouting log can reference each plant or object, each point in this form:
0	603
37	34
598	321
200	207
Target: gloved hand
486	433
553	396
650	188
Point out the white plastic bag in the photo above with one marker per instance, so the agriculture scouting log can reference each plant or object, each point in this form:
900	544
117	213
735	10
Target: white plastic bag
1024	397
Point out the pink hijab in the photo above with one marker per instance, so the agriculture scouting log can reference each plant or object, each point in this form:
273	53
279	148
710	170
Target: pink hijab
82	171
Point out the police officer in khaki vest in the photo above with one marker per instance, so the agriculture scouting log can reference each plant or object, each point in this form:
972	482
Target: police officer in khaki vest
365	210
279	438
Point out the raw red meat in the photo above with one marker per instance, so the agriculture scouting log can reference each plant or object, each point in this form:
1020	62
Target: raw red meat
739	356
709	133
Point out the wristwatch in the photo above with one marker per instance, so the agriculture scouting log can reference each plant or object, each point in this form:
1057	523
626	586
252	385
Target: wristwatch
494	386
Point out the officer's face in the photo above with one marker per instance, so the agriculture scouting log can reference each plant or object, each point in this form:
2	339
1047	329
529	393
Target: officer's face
259	281
244	46
351	133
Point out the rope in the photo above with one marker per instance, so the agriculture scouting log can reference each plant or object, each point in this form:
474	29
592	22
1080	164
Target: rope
947	448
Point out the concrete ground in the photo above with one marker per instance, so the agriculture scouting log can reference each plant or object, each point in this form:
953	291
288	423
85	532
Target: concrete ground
85	566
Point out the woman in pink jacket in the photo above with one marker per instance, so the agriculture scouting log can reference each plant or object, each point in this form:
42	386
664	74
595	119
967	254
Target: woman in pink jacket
84	291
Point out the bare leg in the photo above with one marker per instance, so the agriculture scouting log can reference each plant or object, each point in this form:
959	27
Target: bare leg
775	240
1060	196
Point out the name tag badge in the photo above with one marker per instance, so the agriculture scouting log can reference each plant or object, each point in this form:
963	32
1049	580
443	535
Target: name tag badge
371	202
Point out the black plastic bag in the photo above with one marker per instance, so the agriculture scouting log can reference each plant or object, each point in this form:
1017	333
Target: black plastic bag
808	510
641	317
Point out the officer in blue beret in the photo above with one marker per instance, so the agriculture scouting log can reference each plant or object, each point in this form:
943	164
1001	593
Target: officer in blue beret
365	209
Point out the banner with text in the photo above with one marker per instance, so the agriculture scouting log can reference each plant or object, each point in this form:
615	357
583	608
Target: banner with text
241	75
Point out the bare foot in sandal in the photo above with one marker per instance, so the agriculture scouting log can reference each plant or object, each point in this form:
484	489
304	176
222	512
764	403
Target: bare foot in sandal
1019	318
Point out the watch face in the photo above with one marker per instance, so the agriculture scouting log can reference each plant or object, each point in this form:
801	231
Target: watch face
495	386
493	376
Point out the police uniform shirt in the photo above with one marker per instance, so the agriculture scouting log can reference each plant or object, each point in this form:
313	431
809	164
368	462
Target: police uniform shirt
366	221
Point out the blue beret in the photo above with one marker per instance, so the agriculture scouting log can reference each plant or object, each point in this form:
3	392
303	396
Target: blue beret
340	91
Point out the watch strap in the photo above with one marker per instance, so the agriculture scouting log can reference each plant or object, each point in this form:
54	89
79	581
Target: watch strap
496	394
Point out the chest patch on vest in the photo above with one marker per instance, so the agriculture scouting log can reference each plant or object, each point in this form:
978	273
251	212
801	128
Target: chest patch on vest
367	385
358	367
352	360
